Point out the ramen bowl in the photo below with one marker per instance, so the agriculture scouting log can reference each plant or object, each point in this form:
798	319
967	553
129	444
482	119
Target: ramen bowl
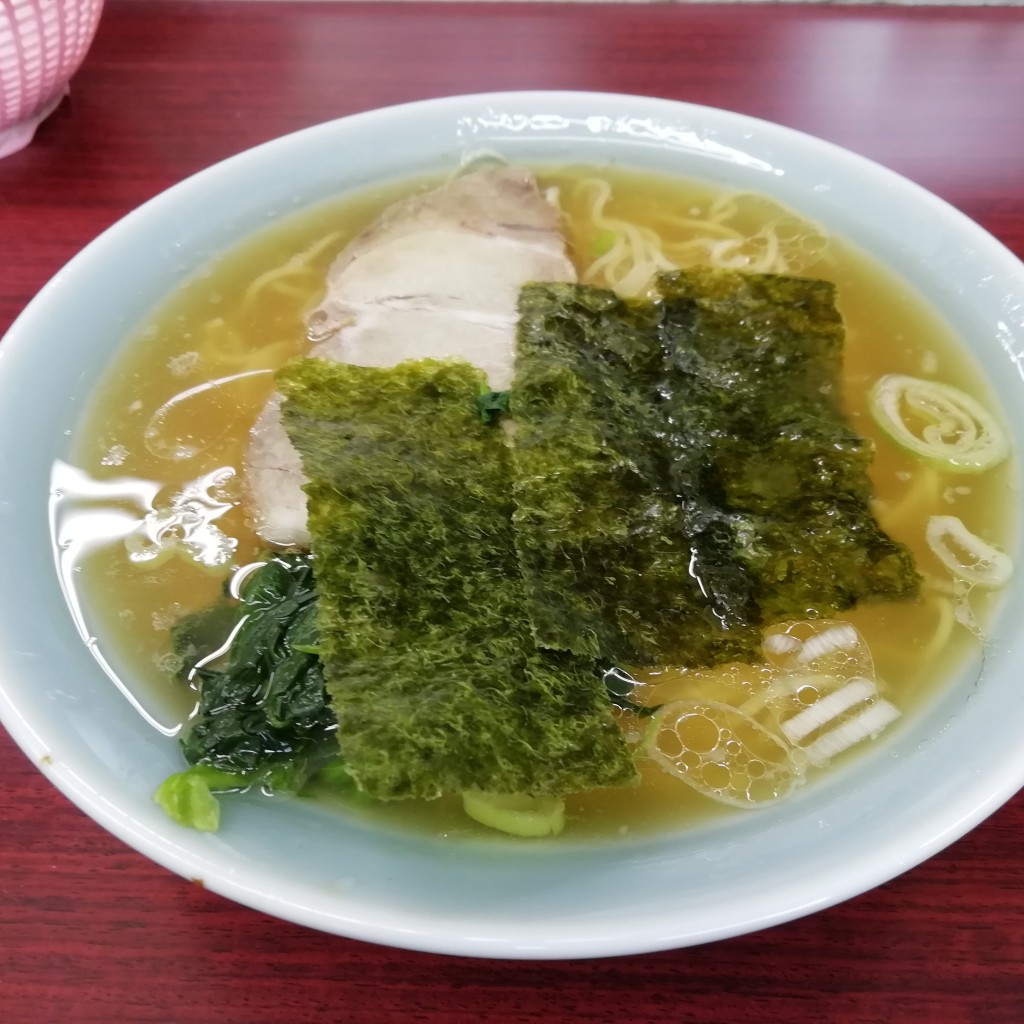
927	781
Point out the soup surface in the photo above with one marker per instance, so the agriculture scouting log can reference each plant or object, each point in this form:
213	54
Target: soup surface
176	408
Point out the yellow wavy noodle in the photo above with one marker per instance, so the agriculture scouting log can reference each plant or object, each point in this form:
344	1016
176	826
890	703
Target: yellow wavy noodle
635	254
625	256
226	345
199	418
296	277
922	497
946	613
225	350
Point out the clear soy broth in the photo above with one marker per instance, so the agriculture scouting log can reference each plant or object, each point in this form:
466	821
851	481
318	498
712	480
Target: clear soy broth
242	317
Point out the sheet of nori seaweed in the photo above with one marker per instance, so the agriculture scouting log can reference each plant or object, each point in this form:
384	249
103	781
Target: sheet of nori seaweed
428	656
753	364
606	548
684	472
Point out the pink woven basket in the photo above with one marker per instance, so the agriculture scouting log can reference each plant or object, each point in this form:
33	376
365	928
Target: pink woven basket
42	44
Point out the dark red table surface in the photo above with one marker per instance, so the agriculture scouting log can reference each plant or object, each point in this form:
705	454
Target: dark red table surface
90	930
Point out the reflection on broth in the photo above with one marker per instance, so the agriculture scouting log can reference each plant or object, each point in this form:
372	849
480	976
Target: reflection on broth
176	409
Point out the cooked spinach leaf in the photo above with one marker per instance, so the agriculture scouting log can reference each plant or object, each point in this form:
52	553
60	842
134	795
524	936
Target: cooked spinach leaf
198	634
492	405
263	705
621	687
429	658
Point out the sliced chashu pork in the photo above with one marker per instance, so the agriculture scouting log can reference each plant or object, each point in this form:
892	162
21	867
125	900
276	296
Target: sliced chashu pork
437	276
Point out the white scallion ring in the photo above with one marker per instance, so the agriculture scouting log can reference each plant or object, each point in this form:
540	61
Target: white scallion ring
985	565
958	432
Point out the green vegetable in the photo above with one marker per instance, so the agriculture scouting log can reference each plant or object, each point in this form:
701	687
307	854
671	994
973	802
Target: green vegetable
264	706
683	469
428	653
519	815
188	797
620	686
492	405
334	775
966	555
198	634
603	242
938	423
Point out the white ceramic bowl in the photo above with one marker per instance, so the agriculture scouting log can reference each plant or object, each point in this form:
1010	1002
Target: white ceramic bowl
943	771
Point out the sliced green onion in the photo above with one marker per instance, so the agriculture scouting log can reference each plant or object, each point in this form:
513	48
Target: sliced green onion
828	708
188	796
952	429
516	813
966	555
866	724
603	242
723	753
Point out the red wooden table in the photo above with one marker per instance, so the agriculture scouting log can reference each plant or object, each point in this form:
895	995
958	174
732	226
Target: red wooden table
90	930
